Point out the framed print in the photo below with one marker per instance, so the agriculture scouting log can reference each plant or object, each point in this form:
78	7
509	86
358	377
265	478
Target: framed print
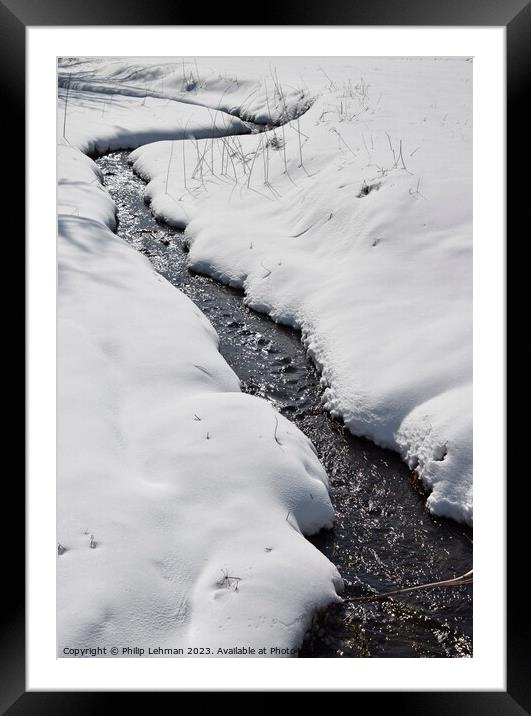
266	354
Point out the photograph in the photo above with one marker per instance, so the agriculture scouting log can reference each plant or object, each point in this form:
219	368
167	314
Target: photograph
264	357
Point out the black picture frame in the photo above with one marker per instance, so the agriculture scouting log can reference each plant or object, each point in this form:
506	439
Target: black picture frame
515	15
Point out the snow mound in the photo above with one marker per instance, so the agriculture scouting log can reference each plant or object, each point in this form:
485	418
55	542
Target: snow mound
97	122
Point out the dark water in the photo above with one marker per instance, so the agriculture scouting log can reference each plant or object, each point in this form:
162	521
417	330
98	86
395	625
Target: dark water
383	538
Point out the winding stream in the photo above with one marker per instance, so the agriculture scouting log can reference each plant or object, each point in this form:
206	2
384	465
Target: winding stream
383	538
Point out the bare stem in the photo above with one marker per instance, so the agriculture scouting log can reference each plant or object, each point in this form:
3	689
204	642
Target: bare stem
169	165
66	108
456	582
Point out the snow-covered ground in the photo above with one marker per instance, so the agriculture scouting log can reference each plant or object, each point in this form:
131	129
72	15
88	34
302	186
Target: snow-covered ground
352	222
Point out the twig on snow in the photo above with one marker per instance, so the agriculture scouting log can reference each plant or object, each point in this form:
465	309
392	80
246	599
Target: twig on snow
462	580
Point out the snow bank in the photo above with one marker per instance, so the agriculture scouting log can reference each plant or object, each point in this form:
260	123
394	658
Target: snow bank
354	223
257	94
96	122
181	502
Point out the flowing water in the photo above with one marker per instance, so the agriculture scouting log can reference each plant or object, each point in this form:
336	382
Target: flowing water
383	537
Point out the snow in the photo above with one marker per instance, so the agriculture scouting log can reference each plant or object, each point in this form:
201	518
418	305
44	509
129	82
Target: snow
214	83
181	502
355	225
98	122
351	222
